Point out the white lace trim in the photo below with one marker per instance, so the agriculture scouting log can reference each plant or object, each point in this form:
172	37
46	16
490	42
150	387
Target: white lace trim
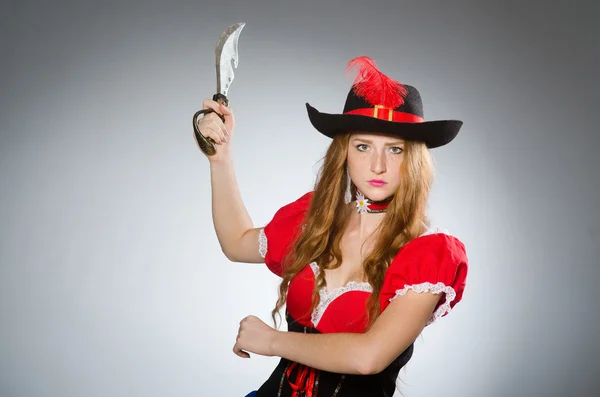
437	288
262	243
326	297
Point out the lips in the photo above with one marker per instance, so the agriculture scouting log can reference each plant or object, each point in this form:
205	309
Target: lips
377	182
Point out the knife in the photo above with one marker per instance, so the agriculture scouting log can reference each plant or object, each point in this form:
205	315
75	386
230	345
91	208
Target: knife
226	58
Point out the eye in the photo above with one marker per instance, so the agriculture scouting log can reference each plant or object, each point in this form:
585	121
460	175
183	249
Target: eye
362	147
396	149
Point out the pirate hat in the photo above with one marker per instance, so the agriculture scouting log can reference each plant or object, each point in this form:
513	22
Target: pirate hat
376	103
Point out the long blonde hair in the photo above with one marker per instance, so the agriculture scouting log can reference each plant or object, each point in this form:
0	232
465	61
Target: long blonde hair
328	215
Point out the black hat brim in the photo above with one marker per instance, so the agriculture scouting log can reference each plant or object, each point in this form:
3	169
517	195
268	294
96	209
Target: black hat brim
434	133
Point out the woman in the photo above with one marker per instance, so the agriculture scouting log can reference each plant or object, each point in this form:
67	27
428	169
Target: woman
360	279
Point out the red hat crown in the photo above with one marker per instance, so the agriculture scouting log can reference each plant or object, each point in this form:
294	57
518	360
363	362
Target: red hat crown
376	95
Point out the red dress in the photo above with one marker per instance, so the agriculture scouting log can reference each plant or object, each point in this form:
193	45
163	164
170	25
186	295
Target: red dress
433	262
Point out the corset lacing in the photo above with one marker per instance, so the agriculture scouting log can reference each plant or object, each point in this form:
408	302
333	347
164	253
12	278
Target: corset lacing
306	382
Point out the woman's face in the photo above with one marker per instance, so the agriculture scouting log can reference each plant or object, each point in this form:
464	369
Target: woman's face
374	163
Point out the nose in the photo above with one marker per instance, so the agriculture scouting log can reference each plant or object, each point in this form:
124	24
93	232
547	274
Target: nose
378	165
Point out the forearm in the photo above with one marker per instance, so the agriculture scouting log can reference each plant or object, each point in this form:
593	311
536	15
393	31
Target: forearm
361	353
230	217
348	353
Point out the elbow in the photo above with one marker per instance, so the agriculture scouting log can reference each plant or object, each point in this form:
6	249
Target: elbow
370	362
235	255
227	251
229	254
374	356
368	367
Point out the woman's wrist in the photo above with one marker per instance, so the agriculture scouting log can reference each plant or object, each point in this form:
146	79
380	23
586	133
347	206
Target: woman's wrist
220	160
277	340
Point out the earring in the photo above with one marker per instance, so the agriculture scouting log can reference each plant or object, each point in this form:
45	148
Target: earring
348	193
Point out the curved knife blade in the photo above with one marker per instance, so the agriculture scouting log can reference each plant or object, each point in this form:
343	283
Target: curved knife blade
226	56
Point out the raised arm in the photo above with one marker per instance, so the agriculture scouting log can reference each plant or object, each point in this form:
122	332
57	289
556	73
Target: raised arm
235	231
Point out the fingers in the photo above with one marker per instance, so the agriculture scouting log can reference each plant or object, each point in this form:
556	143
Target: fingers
211	126
217	107
210	104
237	348
240	352
226	111
214	124
221	109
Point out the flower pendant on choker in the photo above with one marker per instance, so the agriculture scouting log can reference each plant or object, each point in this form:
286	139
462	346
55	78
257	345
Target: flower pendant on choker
361	203
364	205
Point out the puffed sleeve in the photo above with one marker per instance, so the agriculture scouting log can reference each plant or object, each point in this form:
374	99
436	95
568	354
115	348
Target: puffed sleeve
275	239
436	263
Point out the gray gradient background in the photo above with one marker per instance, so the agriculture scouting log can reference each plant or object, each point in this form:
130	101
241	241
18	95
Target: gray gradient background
111	279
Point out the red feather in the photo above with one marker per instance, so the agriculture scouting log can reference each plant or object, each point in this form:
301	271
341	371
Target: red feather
375	87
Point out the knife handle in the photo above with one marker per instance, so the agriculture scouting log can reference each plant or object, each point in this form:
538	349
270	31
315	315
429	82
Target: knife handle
207	144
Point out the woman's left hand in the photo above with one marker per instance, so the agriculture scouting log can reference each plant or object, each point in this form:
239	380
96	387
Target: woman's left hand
254	336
